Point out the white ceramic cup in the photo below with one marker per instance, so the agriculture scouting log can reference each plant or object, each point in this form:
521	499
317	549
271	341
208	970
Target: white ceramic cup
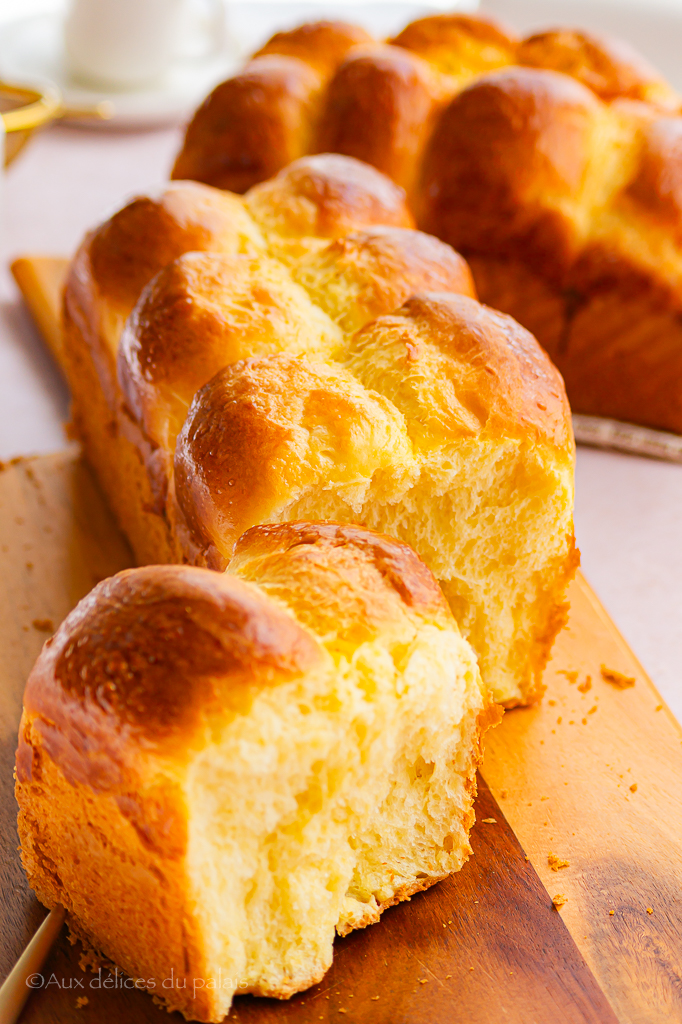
129	44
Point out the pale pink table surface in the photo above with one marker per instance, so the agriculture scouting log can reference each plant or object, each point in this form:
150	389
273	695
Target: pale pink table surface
628	512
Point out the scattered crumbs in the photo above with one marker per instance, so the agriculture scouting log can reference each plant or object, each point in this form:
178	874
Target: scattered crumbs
571	676
649	910
544	798
489	821
449	922
559	900
423	981
525	858
584	721
542	743
552	703
29	565
556	863
659	707
510	973
81	1002
341	1010
592	710
374	998
611	913
617	679
43	625
571	722
553	732
586	685
558	721
503	794
545	823
471	968
633	787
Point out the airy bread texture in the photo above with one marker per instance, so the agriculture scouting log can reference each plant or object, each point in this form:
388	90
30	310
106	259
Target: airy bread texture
271	379
216	772
553	163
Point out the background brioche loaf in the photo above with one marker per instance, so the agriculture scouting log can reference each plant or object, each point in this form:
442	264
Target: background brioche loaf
217	771
443	423
553	163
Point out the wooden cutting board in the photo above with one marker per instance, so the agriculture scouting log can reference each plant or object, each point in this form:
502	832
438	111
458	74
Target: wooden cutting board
592	777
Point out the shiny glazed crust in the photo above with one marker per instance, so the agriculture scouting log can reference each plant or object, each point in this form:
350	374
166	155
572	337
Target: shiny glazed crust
184	727
313	357
551	162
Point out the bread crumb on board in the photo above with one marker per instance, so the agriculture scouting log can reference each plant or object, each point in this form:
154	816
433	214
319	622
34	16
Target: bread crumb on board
43	625
586	685
81	1002
633	787
571	676
559	900
617	679
649	910
557	863
489	821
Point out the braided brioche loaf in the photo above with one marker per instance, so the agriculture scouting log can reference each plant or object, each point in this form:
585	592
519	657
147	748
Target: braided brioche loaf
553	163
217	771
278	376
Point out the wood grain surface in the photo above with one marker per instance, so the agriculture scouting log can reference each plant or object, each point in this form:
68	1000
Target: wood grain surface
563	773
56	541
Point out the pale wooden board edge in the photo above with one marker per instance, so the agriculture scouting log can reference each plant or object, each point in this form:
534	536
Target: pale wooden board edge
41	281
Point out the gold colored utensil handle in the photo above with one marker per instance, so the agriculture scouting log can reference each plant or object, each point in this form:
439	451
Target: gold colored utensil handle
17	986
42	105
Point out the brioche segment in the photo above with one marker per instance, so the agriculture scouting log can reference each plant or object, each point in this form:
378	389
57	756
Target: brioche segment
317	200
217	771
443	424
450	432
551	162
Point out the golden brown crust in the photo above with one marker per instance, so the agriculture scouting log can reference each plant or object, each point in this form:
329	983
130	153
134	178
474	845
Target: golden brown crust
322	44
379	108
183	217
157	653
202	312
252	125
493	378
504	156
459	44
297	421
657	185
368	273
400	571
610	67
327	196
